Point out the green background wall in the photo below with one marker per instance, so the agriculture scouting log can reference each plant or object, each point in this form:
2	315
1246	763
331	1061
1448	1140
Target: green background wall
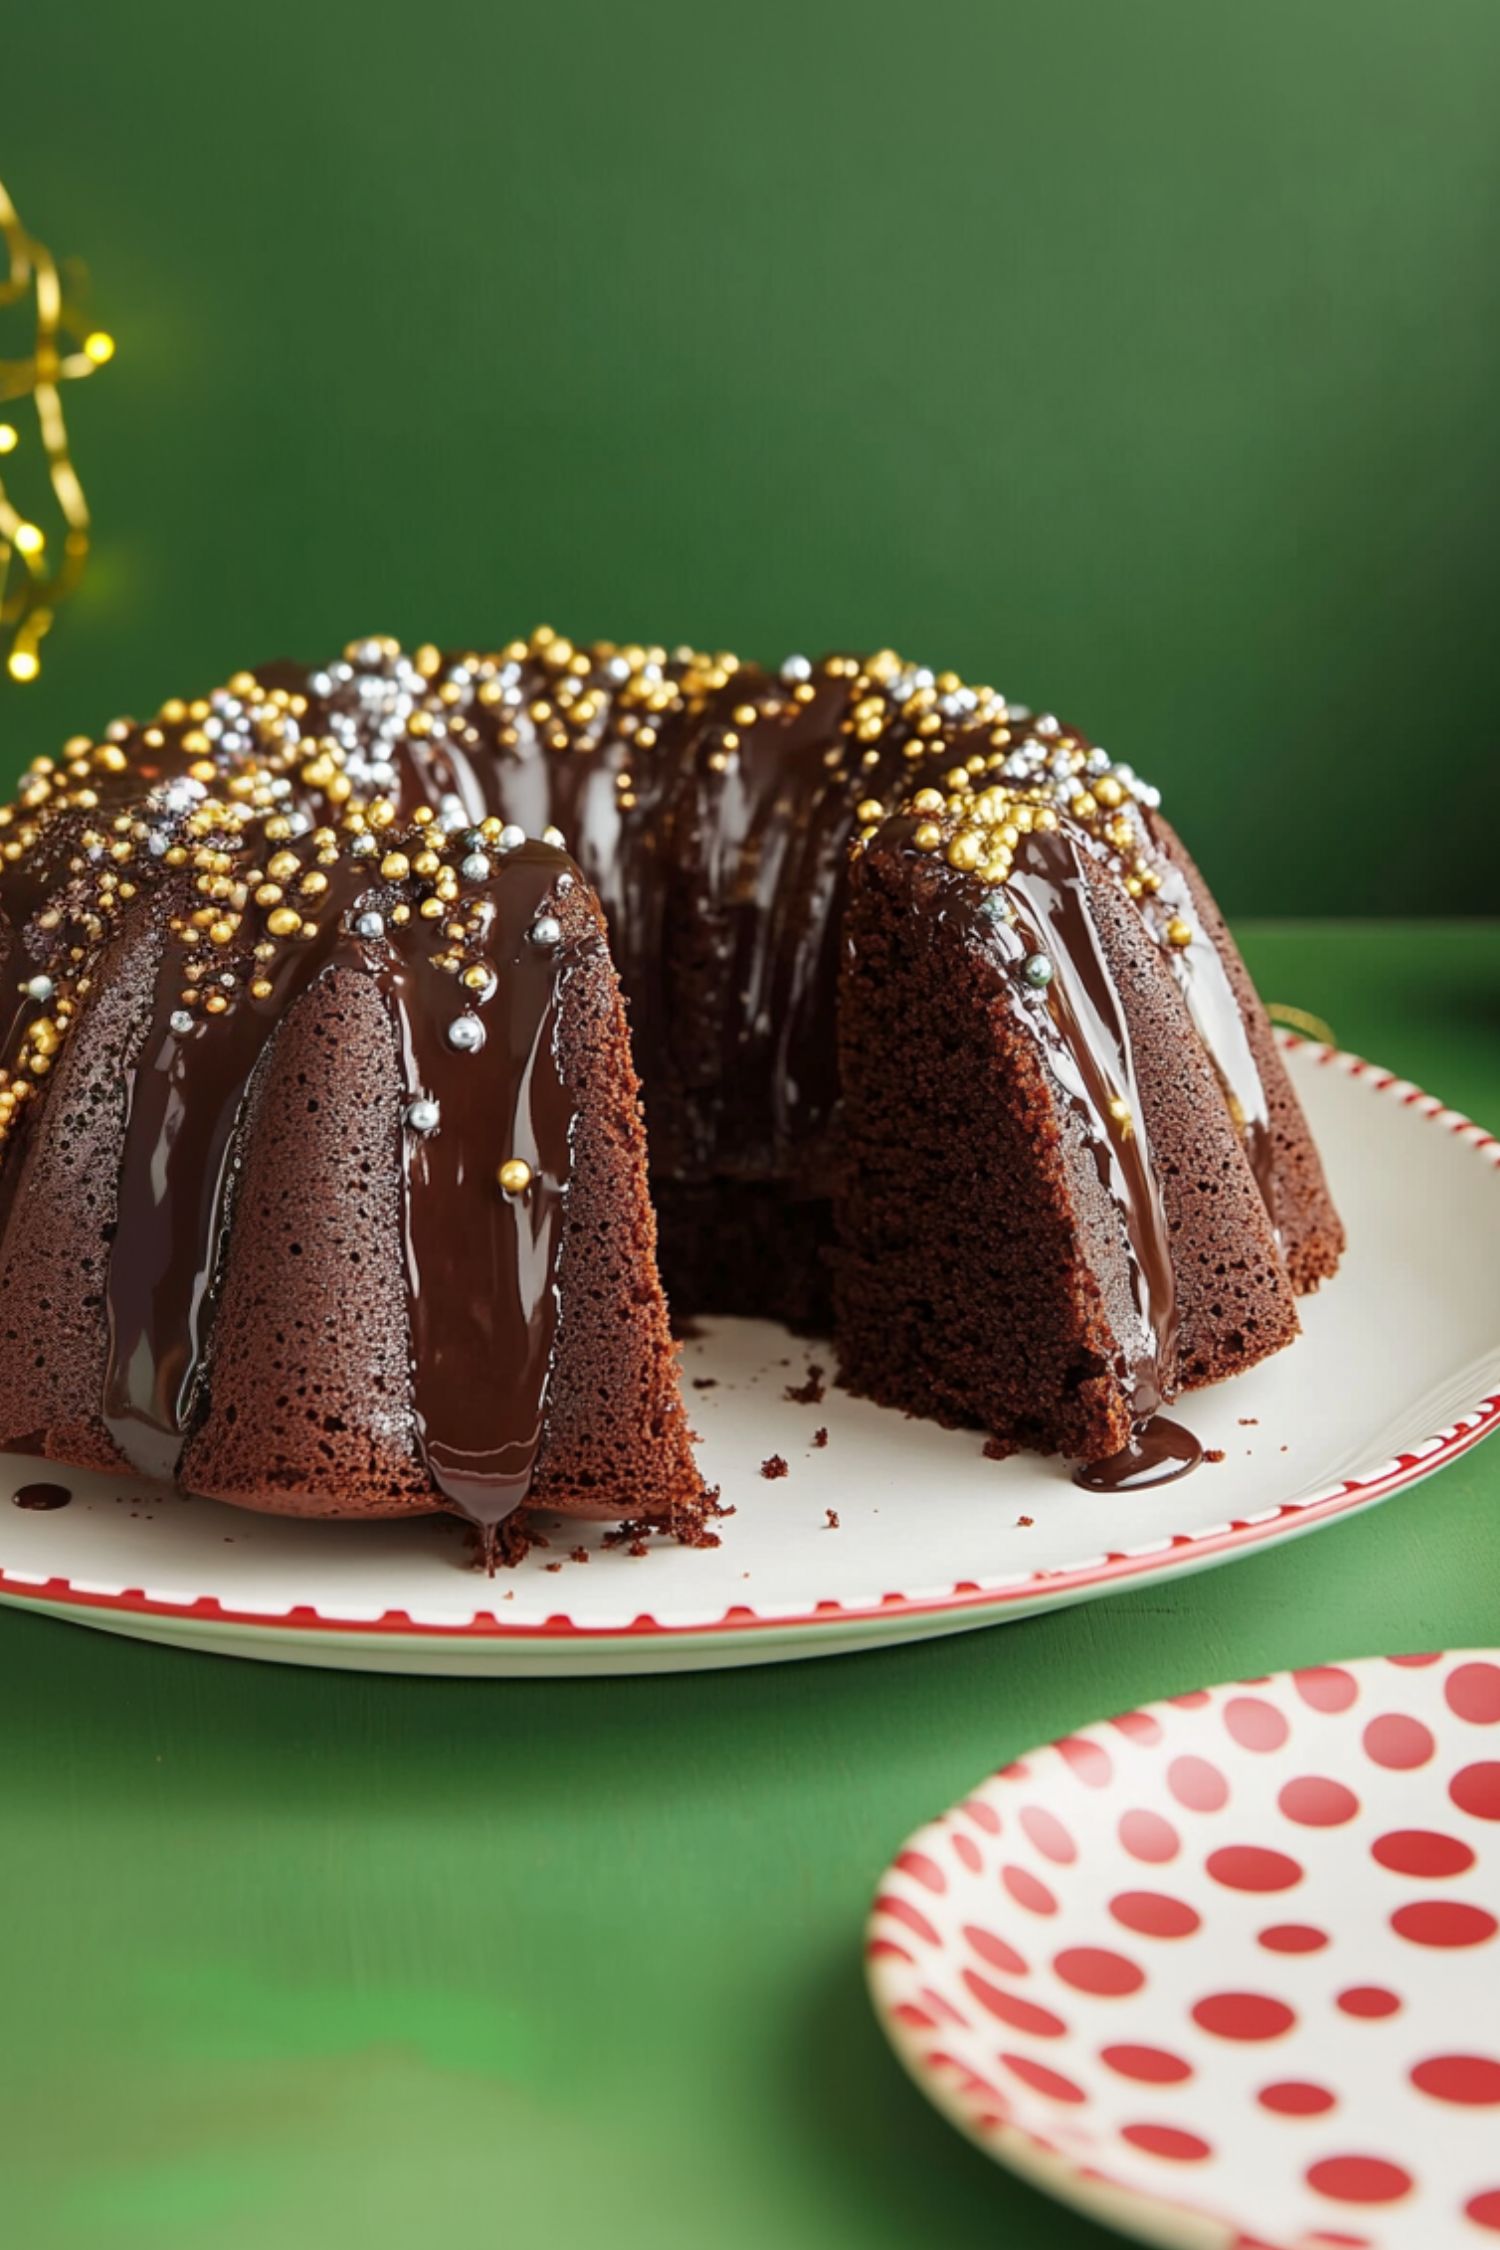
1141	356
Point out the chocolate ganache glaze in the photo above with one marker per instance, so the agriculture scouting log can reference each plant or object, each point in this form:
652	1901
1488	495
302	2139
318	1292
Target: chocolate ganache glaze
714	823
710	804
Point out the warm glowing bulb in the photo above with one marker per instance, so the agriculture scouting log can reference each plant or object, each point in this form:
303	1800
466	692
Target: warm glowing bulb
100	347
23	664
30	539
7	438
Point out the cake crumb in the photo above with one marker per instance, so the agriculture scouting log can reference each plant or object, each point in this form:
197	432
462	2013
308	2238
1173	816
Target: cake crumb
1024	1523
1213	1453
833	1518
503	1545
774	1466
688	1525
511	1541
820	1438
1249	1421
705	1382
810	1393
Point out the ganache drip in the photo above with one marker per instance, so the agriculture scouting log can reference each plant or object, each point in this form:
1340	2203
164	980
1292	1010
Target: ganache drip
481	1263
483	1266
1078	1019
1159	1452
1219	1022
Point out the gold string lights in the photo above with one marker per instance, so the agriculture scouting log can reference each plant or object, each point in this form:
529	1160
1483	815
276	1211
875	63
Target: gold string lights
36	574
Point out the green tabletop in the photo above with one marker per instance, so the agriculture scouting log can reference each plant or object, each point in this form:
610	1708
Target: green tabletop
302	1957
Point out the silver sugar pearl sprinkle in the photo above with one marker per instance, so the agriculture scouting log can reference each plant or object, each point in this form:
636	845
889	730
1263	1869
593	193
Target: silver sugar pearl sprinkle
40	988
363	845
554	837
181	1021
422	1116
511	837
796	668
474	867
1037	971
466	1033
371	925
545	930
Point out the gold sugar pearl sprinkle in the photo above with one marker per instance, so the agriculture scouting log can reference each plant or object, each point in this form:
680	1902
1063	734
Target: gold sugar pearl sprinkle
515	1175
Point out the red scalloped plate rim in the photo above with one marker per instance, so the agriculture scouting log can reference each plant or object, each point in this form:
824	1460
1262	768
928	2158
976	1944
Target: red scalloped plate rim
1350	1493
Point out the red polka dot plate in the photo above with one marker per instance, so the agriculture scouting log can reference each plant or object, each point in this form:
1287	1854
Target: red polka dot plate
886	1530
1225	1973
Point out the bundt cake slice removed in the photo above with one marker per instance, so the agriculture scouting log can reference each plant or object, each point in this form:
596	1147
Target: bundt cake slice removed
337	1205
322	1178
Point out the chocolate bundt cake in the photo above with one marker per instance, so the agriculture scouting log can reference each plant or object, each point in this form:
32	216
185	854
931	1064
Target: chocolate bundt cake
324	1172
